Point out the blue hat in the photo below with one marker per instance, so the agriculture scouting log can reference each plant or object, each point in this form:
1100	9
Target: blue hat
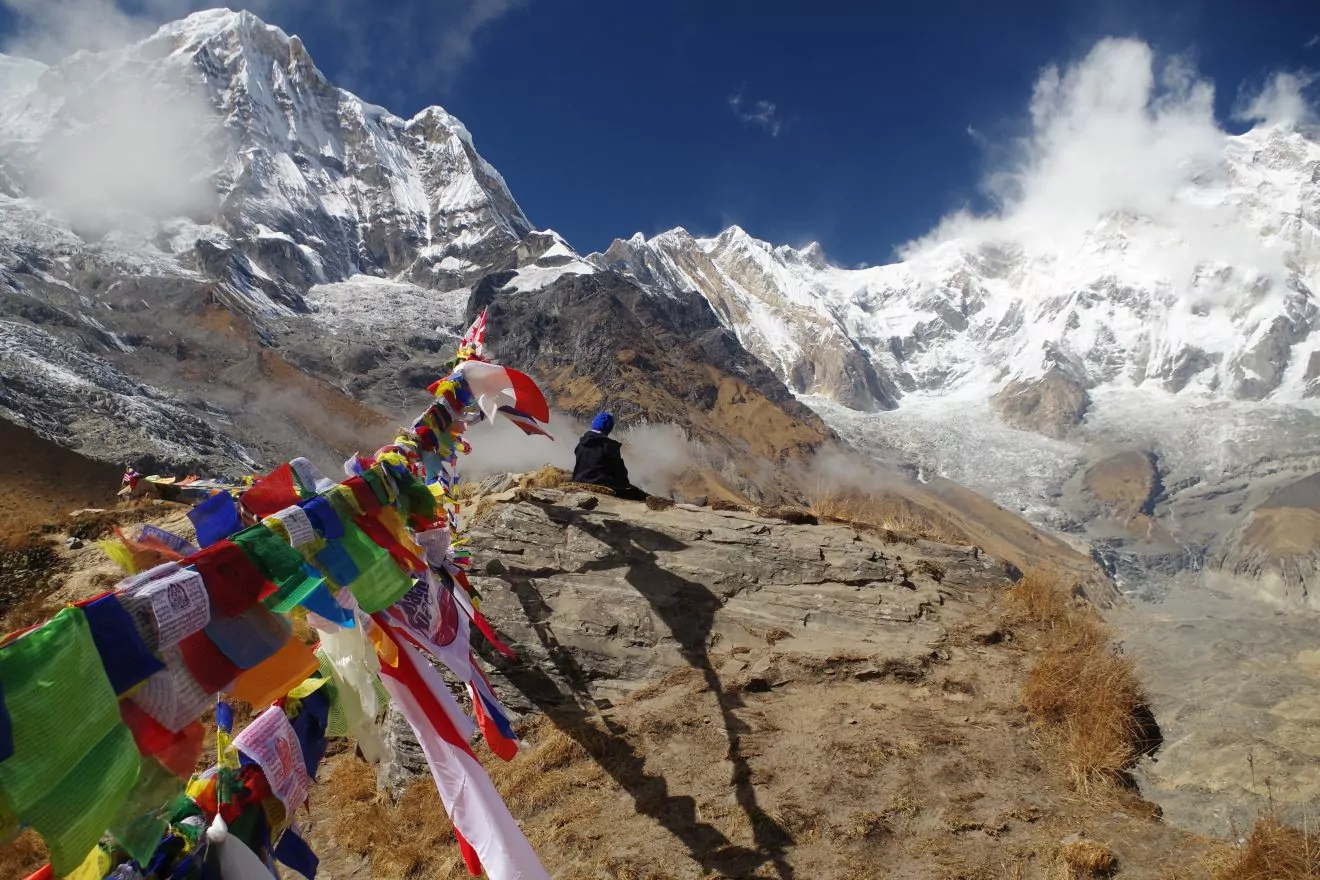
603	423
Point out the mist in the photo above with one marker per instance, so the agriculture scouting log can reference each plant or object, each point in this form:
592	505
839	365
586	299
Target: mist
840	471
105	142
655	454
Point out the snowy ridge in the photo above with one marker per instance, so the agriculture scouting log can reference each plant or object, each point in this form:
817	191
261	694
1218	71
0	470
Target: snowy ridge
1125	309
40	374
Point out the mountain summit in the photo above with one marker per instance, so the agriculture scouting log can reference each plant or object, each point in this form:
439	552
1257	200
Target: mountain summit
208	245
220	139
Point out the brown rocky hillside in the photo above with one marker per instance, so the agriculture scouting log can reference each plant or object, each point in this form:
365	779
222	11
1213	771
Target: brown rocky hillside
709	693
721	694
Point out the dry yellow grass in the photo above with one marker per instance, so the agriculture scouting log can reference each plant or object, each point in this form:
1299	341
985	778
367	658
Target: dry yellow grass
887	512
1272	851
1087	858
25	855
410	839
587	487
546	477
788	513
1084	693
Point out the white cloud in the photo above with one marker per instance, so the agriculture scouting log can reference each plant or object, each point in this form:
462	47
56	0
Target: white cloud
1281	102
762	113
1313	42
50	30
457	41
136	147
1119	137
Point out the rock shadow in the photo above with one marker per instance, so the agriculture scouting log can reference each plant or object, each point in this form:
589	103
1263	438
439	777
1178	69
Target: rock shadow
688	609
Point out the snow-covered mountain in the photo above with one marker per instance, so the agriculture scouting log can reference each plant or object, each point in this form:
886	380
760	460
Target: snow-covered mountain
216	231
1015	362
1121	310
205	245
219	143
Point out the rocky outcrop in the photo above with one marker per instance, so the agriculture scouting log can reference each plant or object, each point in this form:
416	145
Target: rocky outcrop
605	594
1051	405
1275	552
1124	485
1259	369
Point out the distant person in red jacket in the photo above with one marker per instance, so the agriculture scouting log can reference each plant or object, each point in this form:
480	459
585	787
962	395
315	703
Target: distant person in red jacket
600	460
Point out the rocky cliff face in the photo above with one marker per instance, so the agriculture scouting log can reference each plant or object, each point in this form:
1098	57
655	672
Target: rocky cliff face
599	341
304	183
742	278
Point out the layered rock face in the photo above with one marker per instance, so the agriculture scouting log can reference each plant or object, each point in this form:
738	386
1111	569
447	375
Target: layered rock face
629	593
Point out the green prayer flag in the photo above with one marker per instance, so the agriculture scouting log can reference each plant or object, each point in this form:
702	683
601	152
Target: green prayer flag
74	760
269	552
380	582
279	562
144	818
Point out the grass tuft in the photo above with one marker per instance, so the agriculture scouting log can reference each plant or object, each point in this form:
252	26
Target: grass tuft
23	856
1088	858
545	477
888	513
788	513
407	840
1272	851
1080	689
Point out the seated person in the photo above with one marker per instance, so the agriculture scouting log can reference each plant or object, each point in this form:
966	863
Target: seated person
600	460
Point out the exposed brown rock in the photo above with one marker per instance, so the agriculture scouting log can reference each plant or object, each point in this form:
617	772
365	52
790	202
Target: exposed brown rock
1051	405
1124	484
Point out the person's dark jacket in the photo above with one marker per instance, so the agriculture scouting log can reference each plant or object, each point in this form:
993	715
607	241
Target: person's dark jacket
600	462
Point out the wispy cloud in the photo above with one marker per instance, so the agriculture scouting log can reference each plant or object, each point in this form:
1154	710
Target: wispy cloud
137	147
762	113
422	45
1313	42
1281	102
387	50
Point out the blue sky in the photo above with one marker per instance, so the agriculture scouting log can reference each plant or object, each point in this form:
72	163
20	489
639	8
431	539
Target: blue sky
856	124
